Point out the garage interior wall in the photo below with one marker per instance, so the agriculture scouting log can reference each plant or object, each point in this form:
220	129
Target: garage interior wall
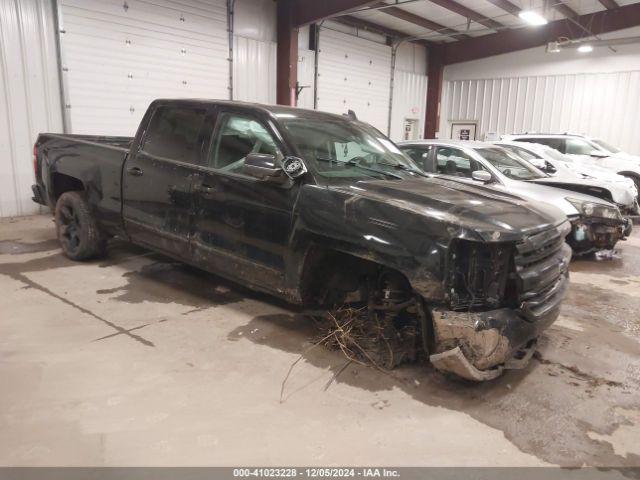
354	73
409	92
117	56
254	51
535	91
29	96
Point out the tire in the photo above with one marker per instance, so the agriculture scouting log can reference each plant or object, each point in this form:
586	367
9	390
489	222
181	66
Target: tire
76	228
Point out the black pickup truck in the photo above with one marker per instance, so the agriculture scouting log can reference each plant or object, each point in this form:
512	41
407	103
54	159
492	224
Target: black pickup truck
320	210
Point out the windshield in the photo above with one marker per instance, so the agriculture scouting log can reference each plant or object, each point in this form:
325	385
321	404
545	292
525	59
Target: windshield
606	146
556	155
340	148
509	165
522	153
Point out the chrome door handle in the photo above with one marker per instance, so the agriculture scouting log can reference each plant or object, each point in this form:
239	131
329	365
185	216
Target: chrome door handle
135	171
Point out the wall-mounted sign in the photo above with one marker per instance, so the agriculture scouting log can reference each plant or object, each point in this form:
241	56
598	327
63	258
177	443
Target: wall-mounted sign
463	130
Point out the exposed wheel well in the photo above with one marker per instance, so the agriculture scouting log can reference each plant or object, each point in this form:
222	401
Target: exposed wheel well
62	183
329	274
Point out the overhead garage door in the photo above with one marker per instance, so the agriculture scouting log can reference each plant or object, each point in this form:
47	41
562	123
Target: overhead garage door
354	74
118	55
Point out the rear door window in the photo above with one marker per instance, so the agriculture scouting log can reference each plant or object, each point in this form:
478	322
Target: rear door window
173	133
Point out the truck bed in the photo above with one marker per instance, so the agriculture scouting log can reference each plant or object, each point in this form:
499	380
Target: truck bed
106	141
95	160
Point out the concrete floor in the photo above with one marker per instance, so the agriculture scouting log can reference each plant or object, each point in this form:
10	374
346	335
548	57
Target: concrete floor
138	360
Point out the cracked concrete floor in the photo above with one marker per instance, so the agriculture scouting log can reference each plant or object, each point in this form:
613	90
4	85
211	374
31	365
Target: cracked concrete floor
138	360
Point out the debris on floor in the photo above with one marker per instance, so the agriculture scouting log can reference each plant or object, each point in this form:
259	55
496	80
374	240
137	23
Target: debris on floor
606	255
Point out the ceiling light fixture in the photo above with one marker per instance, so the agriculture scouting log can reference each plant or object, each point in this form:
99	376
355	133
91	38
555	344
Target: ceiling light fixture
586	48
532	18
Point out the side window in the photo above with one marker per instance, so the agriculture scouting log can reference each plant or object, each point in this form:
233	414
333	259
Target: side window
420	156
173	133
555	143
451	161
576	146
237	136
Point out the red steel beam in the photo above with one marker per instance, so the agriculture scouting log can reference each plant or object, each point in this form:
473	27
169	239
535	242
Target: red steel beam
513	40
609	4
286	54
311	11
423	22
435	70
566	10
507	6
468	13
376	28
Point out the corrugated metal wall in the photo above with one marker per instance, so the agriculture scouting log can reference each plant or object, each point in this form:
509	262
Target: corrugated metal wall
254	70
29	96
120	55
354	73
306	77
605	105
409	102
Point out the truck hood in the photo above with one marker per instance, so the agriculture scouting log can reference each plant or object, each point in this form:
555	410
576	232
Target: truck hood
480	209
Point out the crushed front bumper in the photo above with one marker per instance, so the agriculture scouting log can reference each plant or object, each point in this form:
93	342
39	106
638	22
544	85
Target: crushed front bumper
591	234
480	345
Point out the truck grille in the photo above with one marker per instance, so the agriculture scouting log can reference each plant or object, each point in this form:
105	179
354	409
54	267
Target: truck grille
530	275
541	268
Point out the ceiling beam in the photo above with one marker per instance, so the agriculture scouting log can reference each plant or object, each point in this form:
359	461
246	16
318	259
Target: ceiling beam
468	13
511	40
310	11
423	22
362	24
566	10
507	6
609	4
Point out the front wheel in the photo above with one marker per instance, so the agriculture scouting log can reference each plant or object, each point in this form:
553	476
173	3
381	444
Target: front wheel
77	230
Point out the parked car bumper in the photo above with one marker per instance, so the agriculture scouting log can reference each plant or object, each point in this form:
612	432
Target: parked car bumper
480	345
590	234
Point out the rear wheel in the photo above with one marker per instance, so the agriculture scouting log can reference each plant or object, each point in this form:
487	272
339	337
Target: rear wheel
77	230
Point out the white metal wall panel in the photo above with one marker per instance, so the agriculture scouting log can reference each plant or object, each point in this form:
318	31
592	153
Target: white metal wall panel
119	55
354	73
254	70
29	96
306	77
605	105
409	102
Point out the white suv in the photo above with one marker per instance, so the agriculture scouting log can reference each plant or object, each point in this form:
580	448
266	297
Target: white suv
588	151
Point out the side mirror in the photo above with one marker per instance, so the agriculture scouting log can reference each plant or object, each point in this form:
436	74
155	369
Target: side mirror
262	166
481	176
293	167
598	154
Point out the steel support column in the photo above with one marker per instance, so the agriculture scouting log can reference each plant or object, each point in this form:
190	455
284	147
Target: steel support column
435	69
287	54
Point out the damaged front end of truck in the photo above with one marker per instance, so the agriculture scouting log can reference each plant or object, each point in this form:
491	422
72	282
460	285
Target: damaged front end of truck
499	298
